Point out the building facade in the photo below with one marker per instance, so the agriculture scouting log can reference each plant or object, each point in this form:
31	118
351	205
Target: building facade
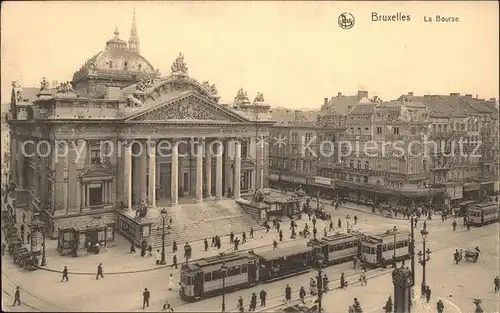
120	137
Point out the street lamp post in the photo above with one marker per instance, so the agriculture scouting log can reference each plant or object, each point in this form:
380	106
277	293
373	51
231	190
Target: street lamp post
412	247
44	259
394	231
319	261
347	217
163	213
223	271
424	258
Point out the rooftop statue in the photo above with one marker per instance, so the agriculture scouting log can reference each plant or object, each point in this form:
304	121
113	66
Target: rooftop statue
259	97
44	84
211	88
65	88
179	66
241	95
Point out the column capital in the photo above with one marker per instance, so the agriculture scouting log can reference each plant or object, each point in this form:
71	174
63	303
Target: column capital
151	143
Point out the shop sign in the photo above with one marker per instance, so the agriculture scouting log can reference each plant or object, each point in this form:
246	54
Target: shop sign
458	192
322	181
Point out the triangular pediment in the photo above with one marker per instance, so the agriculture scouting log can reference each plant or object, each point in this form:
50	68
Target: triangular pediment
188	106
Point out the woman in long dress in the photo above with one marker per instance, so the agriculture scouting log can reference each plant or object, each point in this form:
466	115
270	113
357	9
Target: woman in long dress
171	282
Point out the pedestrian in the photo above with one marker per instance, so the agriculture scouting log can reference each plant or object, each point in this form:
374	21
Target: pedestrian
132	248
339	223
17	297
425	224
150	250
231	237
251	232
236	243
362	278
157	257
146	295
274	223
314	221
342	281
440	306
99	271
302	294
288	293
174	261
278	226
167	307
315	232
496	281
325	231
22	228
454	224
275	245
331	225
3	248
240	304
388	305
244	236
428	294
355	219
280	234
253	302
205	242
267	227
213	242
171	282
174	246
65	274
262	296
24	217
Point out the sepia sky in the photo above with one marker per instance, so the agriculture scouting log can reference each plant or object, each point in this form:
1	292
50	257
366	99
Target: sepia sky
294	52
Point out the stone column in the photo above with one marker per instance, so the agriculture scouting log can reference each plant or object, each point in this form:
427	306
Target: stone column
127	192
143	167
20	164
226	163
218	174
208	170
237	169
174	184
199	172
152	175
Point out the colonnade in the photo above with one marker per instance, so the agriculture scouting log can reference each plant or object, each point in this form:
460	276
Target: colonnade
143	186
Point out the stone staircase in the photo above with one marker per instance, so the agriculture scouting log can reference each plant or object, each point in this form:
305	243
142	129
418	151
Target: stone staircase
193	222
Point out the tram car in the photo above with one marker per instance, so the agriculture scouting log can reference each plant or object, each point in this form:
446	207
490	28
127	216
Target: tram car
338	248
214	275
284	262
483	213
378	250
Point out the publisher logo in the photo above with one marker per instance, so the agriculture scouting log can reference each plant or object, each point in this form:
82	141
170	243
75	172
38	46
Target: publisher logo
346	20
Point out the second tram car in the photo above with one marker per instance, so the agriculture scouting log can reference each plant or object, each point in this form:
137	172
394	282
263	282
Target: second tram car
208	277
340	248
483	213
378	250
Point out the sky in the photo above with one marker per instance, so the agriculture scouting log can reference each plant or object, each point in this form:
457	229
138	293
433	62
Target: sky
295	53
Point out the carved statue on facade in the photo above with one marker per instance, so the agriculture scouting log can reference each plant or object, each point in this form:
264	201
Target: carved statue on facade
259	97
211	88
158	73
146	83
44	84
241	96
133	102
142	210
65	88
179	66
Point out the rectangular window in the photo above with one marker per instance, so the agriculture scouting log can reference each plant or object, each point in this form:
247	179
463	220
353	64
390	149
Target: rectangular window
101	235
110	235
208	276
390	246
379	130
244	149
95	195
244	269
396	130
95	155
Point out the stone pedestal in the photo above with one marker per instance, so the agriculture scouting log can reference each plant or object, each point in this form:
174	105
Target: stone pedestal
403	282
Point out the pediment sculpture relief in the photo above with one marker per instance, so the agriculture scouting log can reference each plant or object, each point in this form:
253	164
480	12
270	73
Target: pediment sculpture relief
133	102
183	111
241	96
146	83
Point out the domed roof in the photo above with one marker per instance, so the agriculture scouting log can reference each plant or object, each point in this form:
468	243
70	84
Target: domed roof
116	57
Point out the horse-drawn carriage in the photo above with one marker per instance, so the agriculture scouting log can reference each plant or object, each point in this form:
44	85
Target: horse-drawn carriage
13	243
23	258
471	255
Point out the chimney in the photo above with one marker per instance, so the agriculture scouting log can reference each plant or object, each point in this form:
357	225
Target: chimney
339	94
362	94
325	101
468	96
410	93
455	94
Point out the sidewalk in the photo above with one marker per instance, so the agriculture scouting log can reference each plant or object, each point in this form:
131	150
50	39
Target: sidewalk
118	259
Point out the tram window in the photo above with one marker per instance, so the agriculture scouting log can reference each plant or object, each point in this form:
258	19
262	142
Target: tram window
390	246
190	280
367	249
222	274
233	271
215	275
399	245
406	243
244	269
337	247
384	248
348	245
208	276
